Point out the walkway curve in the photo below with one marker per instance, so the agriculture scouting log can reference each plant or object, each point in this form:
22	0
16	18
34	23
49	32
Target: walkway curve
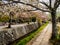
44	36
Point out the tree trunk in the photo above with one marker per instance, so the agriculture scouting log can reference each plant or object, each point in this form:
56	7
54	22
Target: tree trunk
9	26
54	27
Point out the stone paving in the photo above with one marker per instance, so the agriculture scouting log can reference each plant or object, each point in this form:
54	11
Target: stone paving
43	37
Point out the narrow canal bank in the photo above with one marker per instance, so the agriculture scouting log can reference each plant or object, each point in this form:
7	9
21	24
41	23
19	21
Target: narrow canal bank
26	38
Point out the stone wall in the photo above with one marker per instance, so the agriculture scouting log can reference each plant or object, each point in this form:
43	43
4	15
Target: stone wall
9	35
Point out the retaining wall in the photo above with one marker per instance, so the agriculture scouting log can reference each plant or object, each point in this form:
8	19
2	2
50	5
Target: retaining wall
9	35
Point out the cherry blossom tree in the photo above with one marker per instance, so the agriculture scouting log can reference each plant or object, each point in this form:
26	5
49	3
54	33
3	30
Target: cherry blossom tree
50	7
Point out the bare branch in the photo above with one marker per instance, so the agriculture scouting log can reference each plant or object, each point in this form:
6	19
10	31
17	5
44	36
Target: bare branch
28	5
50	3
31	6
48	6
56	4
44	4
29	10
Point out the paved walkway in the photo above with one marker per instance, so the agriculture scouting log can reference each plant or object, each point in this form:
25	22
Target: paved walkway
43	37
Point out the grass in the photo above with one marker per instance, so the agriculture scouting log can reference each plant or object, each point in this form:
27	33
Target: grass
30	36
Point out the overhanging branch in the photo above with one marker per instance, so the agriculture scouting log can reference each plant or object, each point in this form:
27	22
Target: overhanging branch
31	6
45	4
56	4
50	3
28	5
